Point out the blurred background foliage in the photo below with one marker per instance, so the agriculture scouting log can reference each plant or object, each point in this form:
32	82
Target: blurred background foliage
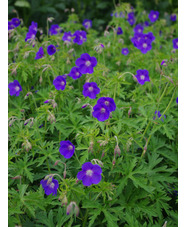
99	11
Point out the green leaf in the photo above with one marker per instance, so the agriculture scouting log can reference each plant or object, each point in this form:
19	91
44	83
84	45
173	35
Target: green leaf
22	3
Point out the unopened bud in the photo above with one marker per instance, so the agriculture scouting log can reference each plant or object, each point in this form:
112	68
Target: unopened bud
130	110
64	201
16	177
114	161
64	174
117	150
55	164
50	19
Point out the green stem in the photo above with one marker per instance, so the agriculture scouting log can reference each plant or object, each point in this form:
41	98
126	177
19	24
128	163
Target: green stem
145	130
85	219
77	158
163	93
48	165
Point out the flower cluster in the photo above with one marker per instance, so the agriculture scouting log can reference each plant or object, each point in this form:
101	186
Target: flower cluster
131	18
14	23
121	15
142	76
31	34
103	108
143	41
90	174
55	29
50	185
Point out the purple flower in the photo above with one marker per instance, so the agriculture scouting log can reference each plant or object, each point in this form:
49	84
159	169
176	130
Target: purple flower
41	126
177	100
149	36
51	49
40	53
144	46
10	25
90	174
80	37
55	29
108	102
119	31
33	27
29	36
153	15
15	88
59	82
87	23
16	22
75	73
91	90
131	18
173	17
47	101
66	149
163	63
50	185
142	76
125	51
146	23
158	114
138	29
86	63
101	112
175	43
67	36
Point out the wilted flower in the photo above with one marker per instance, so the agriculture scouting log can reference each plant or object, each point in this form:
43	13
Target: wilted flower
75	73
15	88
142	76
153	16
66	149
125	51
90	174
40	53
50	185
91	90
87	23
51	49
86	63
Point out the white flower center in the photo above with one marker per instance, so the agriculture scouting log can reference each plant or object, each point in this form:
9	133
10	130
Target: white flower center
106	103
81	37
62	83
70	147
51	185
90	88
69	37
87	63
154	16
77	74
139	30
89	172
144	45
17	88
142	77
87	24
103	110
176	43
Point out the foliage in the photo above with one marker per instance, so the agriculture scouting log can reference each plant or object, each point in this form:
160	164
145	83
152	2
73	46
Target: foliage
138	187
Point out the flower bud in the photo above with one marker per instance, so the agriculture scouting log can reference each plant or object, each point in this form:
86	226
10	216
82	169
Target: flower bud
117	150
64	174
130	110
64	201
114	161
55	164
16	177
